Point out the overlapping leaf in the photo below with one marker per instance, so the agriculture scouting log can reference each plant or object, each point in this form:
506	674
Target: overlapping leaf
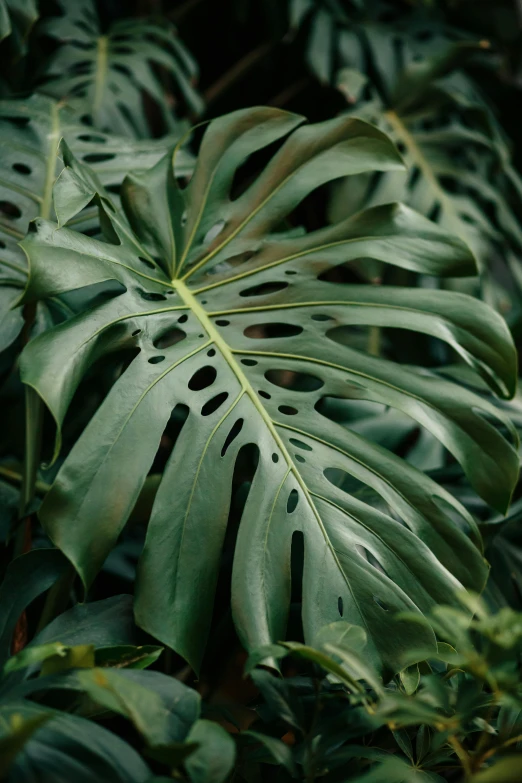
105	74
30	134
459	167
410	84
356	34
16	19
234	321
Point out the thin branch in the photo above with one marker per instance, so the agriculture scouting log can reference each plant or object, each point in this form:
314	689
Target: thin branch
286	95
237	71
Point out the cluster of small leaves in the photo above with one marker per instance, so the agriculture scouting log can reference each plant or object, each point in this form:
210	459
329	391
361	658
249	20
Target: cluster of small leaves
334	719
85	667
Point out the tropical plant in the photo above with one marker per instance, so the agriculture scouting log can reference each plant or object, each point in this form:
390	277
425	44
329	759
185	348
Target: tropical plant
106	74
258	444
16	19
236	322
30	134
457	710
459	165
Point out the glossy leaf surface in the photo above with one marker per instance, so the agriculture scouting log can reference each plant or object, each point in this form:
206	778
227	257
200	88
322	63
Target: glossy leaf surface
233	320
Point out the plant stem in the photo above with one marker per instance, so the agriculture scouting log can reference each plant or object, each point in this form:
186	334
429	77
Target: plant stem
238	70
13	477
374	341
57	598
463	756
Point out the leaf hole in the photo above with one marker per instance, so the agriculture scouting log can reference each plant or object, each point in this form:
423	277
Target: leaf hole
272	330
222	322
136	332
98	157
147	263
232	435
275	457
203	378
365	554
10	210
288	410
384	606
249	362
151	296
300	444
435	212
183	318
212	405
343	480
91	137
169	337
340	606
21	168
264	394
212	352
156	359
299	457
296	381
264	289
293	500
321	317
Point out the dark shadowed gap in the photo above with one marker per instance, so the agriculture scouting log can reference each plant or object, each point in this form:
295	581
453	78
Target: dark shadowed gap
254	166
169	437
295	621
92	391
223	637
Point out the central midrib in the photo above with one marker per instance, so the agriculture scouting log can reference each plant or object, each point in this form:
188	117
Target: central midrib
417	154
101	72
50	174
189	299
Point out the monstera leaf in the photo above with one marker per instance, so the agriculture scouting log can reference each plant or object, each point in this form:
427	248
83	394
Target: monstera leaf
356	34
411	85
234	323
459	167
105	74
16	19
30	133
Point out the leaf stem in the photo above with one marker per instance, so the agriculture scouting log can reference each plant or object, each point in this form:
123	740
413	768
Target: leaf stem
57	598
462	755
101	73
13	477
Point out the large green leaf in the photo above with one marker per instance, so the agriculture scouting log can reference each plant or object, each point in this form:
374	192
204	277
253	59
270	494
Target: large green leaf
459	167
372	36
162	709
103	623
213	761
401	69
233	320
27	577
60	748
16	19
30	161
105	74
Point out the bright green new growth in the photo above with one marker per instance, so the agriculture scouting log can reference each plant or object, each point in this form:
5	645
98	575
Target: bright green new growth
235	321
